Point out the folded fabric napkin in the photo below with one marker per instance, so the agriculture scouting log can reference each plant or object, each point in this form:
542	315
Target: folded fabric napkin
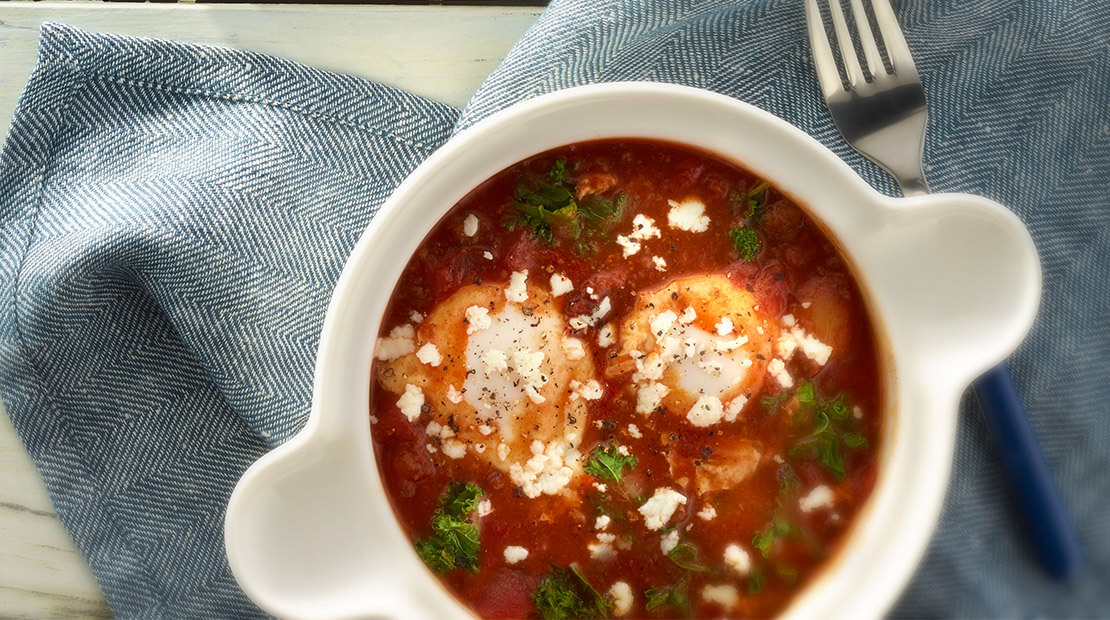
174	218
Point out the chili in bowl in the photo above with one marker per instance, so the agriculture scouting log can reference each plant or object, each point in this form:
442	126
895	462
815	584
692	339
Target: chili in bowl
633	350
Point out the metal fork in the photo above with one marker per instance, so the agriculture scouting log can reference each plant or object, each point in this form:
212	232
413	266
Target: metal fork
879	107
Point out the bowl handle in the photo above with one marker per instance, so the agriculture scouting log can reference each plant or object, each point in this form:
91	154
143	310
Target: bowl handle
960	282
309	536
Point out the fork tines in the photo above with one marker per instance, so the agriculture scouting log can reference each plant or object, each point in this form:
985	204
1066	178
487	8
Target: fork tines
852	72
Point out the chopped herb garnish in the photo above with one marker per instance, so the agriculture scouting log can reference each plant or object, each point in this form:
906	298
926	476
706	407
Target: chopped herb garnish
771	404
676	596
608	463
752	201
565	593
755	581
746	241
764	540
685	556
547	204
454	540
833	430
787	572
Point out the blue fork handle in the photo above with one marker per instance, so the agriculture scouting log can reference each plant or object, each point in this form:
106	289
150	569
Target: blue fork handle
1034	490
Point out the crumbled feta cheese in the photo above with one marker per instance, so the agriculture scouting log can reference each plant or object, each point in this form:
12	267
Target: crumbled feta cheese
630	246
660	263
623	451
485	429
607	336
549	470
400	341
735	406
725	346
668	542
560	285
601	488
649	396
411	402
518	287
588	391
707	411
788	320
416	317
431	448
659	509
643	228
477	319
688	316
820	497
503	451
724	327
708	513
649	368
479	448
514	554
453	394
737	559
634	431
662	323
583	321
806	304
454	448
857	413
470	225
622	598
724	595
534	394
602	522
777	369
574	349
495	361
429	354
813	348
487	255
688	215
600	550
484	507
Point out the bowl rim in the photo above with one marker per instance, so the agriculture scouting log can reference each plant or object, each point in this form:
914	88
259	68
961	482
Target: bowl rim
324	428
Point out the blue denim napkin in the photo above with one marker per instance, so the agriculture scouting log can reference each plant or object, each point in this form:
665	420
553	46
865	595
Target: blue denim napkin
174	217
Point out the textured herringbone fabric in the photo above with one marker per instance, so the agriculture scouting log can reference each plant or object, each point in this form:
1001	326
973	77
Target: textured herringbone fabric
174	217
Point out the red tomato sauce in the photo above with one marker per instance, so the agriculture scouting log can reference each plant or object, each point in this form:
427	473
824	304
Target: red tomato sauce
817	453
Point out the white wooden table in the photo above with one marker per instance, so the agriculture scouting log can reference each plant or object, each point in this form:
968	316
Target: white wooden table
439	52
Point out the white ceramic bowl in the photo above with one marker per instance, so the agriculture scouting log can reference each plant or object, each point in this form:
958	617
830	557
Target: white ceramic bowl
953	283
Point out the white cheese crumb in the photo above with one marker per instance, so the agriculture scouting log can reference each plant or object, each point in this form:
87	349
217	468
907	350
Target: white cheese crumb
470	225
724	328
454	448
487	255
630	246
518	288
649	368
649	396
583	321
660	263
724	595
725	346
607	336
857	413
622	598
737	559
416	317
600	550
549	470
659	509
820	497
668	542
777	369
708	513
602	522
662	323
688	316
479	448
735	406
643	228
514	554
707	411
503	451
453	394
485	429
431	448
813	348
429	354
495	361
411	402
484	507
806	304
400	341
477	319
634	431
688	215
574	349
590	391
560	285
788	320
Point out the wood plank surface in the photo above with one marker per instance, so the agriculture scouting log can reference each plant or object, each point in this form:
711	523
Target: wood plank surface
442	52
